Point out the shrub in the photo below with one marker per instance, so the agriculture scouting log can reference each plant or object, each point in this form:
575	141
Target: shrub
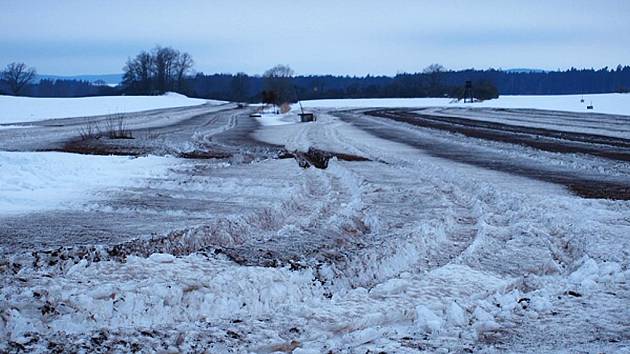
89	130
116	128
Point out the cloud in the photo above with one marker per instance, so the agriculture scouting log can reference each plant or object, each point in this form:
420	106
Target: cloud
354	37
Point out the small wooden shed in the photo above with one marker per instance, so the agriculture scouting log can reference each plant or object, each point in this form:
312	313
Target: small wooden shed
306	117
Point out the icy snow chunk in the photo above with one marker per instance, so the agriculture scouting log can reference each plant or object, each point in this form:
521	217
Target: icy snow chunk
306	351
482	315
455	315
390	287
588	269
361	336
587	284
18	324
587	275
77	267
102	292
162	258
485	321
508	301
551	267
372	221
609	270
427	320
540	304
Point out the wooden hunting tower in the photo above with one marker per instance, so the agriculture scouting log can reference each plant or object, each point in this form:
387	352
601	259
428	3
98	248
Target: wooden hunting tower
468	92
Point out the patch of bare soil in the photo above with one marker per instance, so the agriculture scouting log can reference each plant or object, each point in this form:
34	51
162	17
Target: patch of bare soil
98	147
319	158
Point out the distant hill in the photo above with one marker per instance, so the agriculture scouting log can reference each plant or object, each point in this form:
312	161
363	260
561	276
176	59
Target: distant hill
524	70
109	79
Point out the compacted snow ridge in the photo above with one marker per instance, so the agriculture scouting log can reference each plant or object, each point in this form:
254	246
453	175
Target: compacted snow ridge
399	252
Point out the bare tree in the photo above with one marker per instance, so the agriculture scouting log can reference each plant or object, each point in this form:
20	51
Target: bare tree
183	66
18	75
434	73
139	73
165	63
158	71
279	81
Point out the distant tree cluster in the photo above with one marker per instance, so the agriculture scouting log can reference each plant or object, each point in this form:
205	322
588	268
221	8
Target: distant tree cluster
239	87
279	85
157	71
486	84
481	90
71	88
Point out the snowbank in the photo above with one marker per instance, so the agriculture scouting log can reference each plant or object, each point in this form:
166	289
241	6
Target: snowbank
271	119
29	109
49	180
610	103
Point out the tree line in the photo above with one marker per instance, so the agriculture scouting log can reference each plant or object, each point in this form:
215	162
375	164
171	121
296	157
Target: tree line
163	69
426	83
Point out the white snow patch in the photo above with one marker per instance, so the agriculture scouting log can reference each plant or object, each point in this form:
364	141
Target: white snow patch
272	119
162	258
29	109
9	126
32	181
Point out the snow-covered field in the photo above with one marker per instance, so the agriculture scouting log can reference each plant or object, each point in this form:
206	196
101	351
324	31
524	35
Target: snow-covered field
610	103
26	109
402	252
36	181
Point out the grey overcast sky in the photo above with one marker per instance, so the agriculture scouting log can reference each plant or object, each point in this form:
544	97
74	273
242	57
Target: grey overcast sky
68	37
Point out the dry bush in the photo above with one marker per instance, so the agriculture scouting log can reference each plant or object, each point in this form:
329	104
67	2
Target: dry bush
152	134
285	107
90	130
116	127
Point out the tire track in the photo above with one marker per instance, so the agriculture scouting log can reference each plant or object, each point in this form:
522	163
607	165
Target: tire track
393	125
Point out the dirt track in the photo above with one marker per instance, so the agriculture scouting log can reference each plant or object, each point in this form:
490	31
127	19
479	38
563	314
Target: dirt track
594	186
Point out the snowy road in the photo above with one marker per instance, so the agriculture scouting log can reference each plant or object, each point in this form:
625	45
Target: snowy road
541	146
417	248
